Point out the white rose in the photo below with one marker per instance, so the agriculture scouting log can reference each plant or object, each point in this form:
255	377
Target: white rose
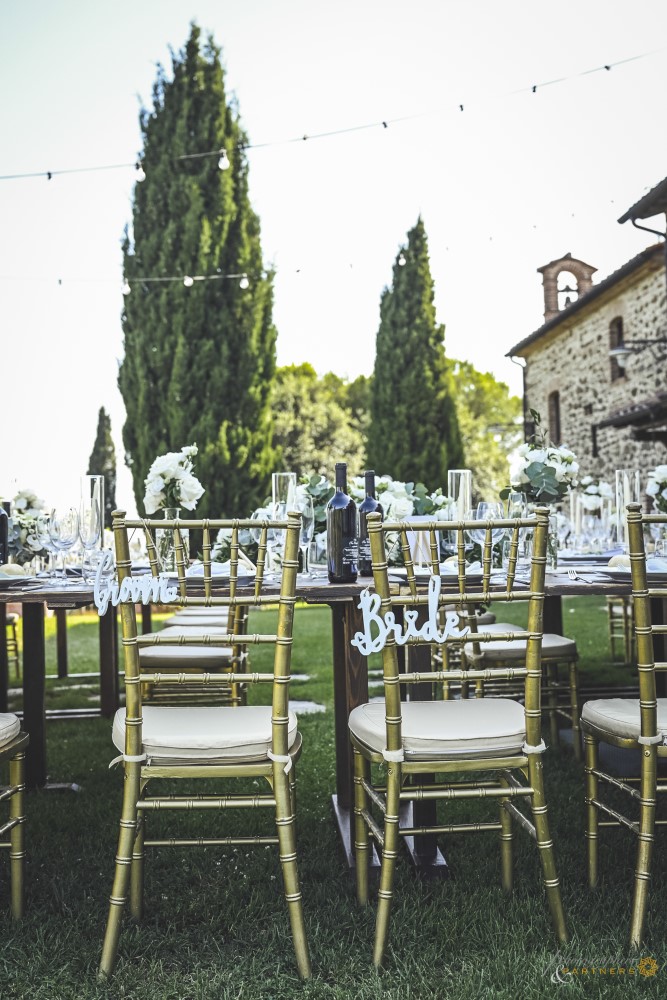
153	502
155	485
190	450
589	502
399	508
190	490
20	503
398	490
537	455
660	472
606	491
652	488
591	489
586	481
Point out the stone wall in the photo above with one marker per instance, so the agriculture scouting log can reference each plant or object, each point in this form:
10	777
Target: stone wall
573	360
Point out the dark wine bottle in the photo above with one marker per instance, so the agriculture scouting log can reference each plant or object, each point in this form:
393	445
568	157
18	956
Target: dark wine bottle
369	505
4	536
342	532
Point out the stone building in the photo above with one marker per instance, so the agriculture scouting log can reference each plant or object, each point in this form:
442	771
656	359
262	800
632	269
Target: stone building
596	370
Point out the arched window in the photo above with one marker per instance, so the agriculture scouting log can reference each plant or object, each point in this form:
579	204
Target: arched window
554	417
615	339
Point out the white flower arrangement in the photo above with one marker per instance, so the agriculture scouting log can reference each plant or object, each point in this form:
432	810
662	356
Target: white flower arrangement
170	482
656	487
24	540
544	472
593	492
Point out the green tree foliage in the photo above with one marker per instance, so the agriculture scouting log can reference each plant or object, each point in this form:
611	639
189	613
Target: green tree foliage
413	433
199	360
102	462
318	421
487	417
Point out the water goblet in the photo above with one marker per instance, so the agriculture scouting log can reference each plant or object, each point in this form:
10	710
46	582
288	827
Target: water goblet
46	542
64	532
486	512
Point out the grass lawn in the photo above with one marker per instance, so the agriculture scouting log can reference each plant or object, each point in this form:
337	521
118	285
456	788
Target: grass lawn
216	924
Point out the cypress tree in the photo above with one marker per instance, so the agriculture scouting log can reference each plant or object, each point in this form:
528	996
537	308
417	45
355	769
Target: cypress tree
413	434
199	360
102	462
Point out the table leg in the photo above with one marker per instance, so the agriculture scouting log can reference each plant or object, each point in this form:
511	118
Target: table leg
553	614
4	664
108	663
61	640
34	671
350	670
146	619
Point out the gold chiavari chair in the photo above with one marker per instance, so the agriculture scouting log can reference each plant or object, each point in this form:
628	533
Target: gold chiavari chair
621	631
631	724
494	745
13	744
12	643
191	742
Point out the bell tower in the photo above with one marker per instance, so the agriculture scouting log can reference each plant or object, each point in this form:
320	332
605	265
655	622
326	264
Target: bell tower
556	278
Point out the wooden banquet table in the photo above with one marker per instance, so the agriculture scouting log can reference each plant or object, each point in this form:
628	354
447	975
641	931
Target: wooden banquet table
350	670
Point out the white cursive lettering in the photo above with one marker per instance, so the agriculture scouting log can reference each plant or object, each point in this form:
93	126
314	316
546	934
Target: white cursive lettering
133	590
377	629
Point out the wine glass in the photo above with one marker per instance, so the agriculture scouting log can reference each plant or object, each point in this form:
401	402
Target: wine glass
259	515
64	532
486	512
90	530
304	505
46	542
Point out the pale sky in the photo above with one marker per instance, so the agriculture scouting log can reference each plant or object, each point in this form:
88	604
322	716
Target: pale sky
508	184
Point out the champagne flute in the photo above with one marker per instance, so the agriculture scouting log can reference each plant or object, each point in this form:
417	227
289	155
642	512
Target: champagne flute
303	504
64	531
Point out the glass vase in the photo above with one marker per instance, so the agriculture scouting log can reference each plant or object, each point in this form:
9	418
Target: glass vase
165	545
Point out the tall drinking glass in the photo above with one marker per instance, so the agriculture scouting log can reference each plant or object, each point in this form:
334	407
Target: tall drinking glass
459	489
628	490
92	498
304	505
64	532
283	491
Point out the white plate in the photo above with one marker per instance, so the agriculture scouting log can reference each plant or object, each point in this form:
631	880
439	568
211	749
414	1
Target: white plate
15	581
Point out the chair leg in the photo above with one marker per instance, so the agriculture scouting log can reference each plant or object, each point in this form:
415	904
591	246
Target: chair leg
552	701
545	846
592	818
137	871
362	771
17	835
506	844
287	848
121	881
645	843
573	675
389	854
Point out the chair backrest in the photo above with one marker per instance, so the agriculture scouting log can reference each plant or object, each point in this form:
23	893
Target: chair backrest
645	630
419	599
237	594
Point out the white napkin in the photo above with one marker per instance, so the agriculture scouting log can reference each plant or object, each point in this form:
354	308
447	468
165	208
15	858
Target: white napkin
452	567
656	564
218	569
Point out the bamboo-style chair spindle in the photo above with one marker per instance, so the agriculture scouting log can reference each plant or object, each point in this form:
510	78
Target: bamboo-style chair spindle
494	744
13	745
194	741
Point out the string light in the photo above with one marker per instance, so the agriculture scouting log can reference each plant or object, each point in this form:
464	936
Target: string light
244	283
188	281
401	260
126	288
223	158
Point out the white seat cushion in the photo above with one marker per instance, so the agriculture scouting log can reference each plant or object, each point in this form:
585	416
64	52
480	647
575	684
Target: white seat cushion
200	621
620	716
180	656
553	646
204	734
480	727
10	727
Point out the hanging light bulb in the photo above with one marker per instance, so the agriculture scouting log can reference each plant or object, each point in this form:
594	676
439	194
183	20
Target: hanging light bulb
141	173
188	281
126	288
223	162
401	260
244	283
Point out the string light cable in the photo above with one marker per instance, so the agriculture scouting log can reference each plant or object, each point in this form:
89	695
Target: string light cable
224	162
